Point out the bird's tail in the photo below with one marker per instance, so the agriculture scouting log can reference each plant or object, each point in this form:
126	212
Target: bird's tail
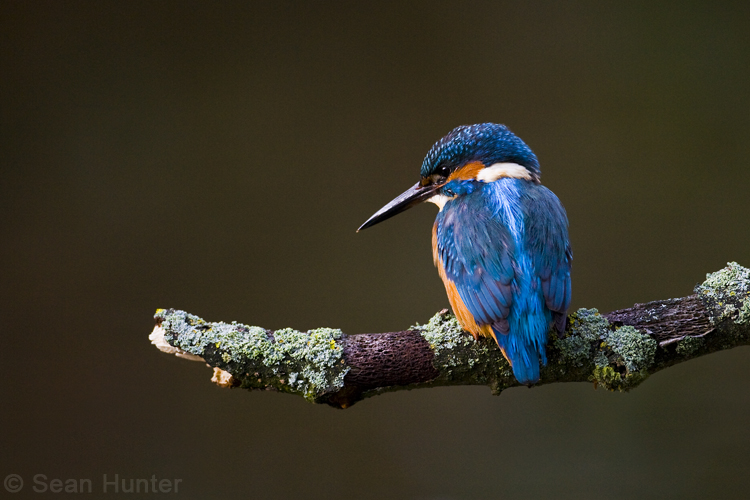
524	346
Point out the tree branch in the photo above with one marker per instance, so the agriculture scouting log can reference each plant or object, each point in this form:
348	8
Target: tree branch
617	350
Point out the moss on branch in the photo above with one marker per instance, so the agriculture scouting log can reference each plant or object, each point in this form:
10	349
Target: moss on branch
617	351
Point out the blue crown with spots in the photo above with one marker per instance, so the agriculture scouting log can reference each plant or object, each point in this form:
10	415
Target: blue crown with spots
488	143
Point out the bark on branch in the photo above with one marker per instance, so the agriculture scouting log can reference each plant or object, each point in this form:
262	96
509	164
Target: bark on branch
617	350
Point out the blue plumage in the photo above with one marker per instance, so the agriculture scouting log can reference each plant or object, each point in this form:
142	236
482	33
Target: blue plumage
489	143
500	240
505	248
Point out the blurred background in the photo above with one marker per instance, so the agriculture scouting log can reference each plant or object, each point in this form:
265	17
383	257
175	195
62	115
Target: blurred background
218	157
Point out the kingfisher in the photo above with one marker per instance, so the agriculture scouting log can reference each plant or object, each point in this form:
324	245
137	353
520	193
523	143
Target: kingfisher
500	240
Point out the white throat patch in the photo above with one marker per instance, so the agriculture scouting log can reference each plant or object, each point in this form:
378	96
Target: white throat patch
440	200
500	170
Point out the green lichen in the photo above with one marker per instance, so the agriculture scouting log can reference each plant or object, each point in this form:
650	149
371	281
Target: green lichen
316	355
689	345
309	363
600	361
459	356
607	377
444	334
726	294
635	350
587	327
614	358
624	359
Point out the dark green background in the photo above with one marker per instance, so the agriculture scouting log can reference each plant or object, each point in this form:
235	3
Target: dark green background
217	157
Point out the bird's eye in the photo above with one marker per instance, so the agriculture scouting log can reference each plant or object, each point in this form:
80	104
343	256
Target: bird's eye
440	175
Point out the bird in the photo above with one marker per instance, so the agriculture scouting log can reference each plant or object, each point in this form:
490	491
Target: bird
500	240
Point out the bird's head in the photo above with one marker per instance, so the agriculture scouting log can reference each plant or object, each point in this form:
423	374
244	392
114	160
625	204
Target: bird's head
484	152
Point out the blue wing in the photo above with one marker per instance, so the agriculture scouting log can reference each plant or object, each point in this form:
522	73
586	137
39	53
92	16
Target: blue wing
546	239
476	250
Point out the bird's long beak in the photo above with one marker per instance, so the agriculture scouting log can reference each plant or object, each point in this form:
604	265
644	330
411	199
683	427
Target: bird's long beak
415	194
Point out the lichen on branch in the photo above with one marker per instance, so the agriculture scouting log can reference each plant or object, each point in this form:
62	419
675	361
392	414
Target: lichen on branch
726	294
617	351
306	363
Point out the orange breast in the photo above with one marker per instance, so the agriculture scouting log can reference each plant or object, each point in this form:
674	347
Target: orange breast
464	317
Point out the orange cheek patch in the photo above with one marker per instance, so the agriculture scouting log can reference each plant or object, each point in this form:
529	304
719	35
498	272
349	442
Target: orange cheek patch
468	172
